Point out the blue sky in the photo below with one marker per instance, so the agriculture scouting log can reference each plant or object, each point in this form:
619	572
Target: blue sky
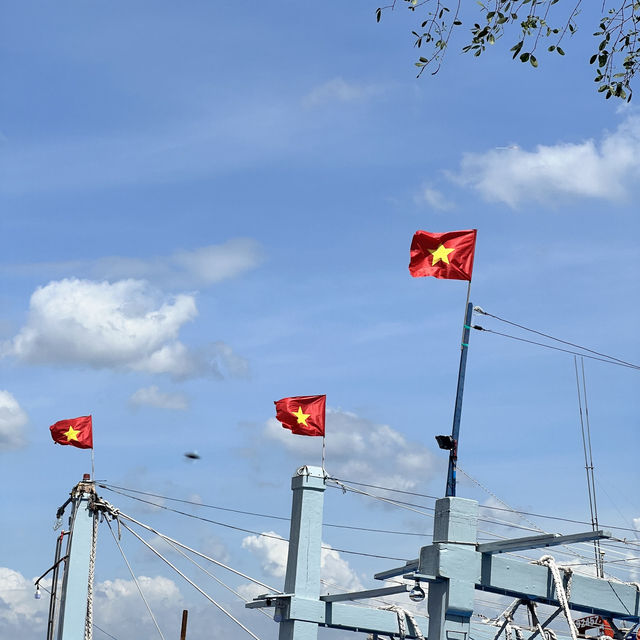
207	207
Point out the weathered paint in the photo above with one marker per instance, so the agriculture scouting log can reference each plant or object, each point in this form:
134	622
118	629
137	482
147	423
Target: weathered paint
75	587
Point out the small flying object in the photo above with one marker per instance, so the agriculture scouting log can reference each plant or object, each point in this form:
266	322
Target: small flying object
192	455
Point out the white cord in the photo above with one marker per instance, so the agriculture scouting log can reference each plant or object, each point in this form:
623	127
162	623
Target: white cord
193	584
155	622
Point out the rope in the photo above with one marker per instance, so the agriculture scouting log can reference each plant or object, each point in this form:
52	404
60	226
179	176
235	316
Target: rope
404	615
561	594
193	584
88	624
155	622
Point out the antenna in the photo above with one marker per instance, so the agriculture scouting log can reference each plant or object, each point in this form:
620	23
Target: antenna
588	462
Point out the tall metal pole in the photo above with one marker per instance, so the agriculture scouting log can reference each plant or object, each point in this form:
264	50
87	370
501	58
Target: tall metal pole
54	588
75	597
457	413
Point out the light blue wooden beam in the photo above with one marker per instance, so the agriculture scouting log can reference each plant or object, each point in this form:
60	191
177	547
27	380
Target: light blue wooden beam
408	568
338	615
453	566
546	540
75	586
303	561
515	578
363	595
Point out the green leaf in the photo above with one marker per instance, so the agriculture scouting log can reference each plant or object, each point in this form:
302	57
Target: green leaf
533	61
524	57
378	14
560	51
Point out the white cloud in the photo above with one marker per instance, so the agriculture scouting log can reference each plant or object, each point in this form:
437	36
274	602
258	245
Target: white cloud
359	449
585	169
636	523
122	325
19	610
202	266
12	422
272	553
153	397
338	90
117	605
433	198
198	267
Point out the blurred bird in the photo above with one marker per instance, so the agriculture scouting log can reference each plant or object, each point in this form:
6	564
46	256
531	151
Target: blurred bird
192	455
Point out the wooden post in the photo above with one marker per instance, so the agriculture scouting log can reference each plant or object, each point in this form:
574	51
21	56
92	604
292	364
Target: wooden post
303	562
183	630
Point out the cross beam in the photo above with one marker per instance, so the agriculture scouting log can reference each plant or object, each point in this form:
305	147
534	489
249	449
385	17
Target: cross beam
454	565
535	542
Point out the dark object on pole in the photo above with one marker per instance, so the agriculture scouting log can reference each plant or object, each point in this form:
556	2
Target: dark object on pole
183	630
453	455
446	442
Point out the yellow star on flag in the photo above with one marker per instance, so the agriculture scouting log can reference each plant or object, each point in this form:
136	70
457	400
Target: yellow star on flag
441	253
302	417
72	434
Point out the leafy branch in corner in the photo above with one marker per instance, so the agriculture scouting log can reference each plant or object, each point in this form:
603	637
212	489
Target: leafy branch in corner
617	58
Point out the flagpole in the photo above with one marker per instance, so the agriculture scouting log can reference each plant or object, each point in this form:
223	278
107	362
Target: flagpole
323	471
93	466
452	445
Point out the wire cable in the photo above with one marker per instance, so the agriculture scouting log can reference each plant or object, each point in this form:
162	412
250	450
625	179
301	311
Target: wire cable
198	553
548	346
220	582
193	584
253	532
155	622
481	311
488	507
113	488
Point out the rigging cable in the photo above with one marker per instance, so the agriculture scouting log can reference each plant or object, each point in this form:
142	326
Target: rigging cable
193	584
252	532
482	506
120	514
113	488
548	346
220	582
155	622
481	311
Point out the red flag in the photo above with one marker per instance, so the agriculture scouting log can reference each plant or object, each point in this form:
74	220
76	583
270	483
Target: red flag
78	432
443	255
303	415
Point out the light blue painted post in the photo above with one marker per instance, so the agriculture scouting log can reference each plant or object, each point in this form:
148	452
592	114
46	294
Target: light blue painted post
453	560
303	562
75	586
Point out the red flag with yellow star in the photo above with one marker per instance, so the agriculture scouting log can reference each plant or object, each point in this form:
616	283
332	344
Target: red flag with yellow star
78	432
443	255
303	415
